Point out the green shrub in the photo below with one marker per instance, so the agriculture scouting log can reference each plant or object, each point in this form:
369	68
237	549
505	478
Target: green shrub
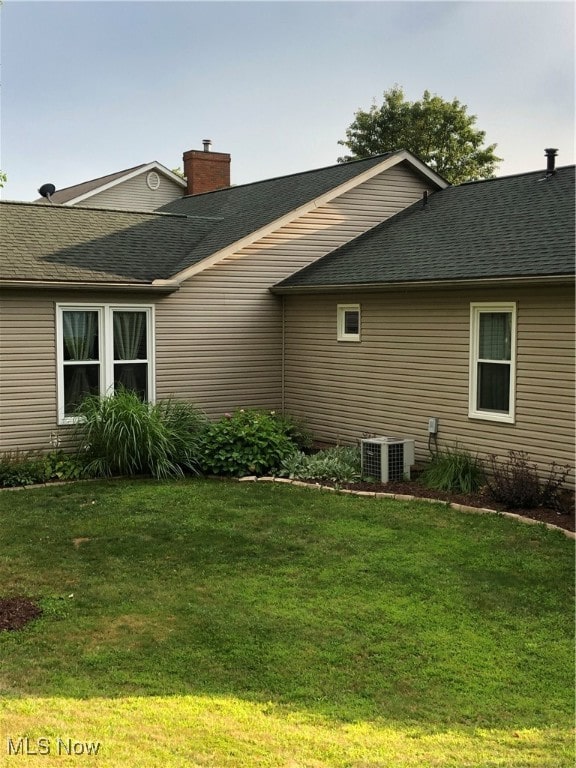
455	470
31	467
66	466
125	436
295	430
246	442
22	468
516	483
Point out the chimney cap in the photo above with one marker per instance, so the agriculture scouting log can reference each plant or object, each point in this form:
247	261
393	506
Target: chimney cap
207	143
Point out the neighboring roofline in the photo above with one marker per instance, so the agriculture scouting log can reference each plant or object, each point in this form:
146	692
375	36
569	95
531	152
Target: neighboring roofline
84	285
130	174
440	283
388	161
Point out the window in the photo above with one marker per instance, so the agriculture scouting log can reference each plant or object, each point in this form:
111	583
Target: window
100	348
492	361
348	322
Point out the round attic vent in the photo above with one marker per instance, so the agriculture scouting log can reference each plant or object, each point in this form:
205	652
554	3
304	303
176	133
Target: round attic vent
153	180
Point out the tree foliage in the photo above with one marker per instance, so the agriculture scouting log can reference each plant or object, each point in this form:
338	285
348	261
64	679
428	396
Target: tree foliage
441	133
3	179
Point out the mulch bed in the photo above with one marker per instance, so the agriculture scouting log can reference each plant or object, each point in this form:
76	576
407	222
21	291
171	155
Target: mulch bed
16	612
563	517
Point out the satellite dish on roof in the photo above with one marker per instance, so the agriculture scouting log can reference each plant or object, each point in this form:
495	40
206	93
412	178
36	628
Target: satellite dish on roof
47	190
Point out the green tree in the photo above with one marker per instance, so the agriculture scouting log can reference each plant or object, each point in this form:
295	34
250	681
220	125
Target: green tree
441	133
3	179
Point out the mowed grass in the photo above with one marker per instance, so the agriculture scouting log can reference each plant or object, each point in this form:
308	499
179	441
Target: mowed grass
205	623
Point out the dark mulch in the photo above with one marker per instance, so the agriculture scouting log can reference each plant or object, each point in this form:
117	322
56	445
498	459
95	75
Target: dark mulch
16	612
563	517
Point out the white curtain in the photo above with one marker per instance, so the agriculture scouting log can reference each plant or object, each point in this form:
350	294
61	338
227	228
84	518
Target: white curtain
129	336
80	329
495	335
80	334
129	329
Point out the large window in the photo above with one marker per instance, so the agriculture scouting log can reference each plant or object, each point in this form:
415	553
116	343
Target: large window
101	348
492	361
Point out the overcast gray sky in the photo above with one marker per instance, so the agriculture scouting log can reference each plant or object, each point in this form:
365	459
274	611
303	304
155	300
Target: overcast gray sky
89	88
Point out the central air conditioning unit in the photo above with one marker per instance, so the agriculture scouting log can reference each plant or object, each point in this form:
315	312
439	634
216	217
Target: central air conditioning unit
387	458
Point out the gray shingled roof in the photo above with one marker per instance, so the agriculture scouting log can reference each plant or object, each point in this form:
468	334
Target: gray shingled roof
71	244
515	226
50	242
71	193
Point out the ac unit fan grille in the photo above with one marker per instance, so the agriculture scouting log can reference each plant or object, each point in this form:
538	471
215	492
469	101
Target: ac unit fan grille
396	461
372	464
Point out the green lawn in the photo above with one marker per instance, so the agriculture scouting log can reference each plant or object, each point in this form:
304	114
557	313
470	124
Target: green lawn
204	623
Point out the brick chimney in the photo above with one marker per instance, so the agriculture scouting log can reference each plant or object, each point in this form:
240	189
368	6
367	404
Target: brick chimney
206	171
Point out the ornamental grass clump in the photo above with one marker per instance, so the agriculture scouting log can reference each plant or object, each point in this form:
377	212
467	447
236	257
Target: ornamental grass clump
123	435
454	470
247	442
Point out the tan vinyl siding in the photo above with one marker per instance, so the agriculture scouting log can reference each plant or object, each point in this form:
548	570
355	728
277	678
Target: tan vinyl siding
28	375
219	337
135	195
413	363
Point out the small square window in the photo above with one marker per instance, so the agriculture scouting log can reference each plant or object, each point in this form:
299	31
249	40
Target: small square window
348	322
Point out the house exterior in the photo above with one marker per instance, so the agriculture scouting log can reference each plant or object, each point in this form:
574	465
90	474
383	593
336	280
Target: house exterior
175	303
144	187
364	297
459	309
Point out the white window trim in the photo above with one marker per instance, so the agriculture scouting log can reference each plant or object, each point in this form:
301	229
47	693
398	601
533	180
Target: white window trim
476	309
105	348
341	329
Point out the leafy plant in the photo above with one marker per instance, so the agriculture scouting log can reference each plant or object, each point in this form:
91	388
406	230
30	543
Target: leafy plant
246	442
455	470
22	468
517	484
65	466
125	436
341	464
294	429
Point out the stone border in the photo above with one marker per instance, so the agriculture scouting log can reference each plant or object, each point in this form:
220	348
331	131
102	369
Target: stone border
404	497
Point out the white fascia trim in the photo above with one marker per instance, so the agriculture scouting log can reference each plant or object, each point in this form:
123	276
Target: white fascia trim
145	169
389	162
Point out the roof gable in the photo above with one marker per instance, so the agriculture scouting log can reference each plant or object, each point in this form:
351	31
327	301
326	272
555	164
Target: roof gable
251	211
516	226
82	192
